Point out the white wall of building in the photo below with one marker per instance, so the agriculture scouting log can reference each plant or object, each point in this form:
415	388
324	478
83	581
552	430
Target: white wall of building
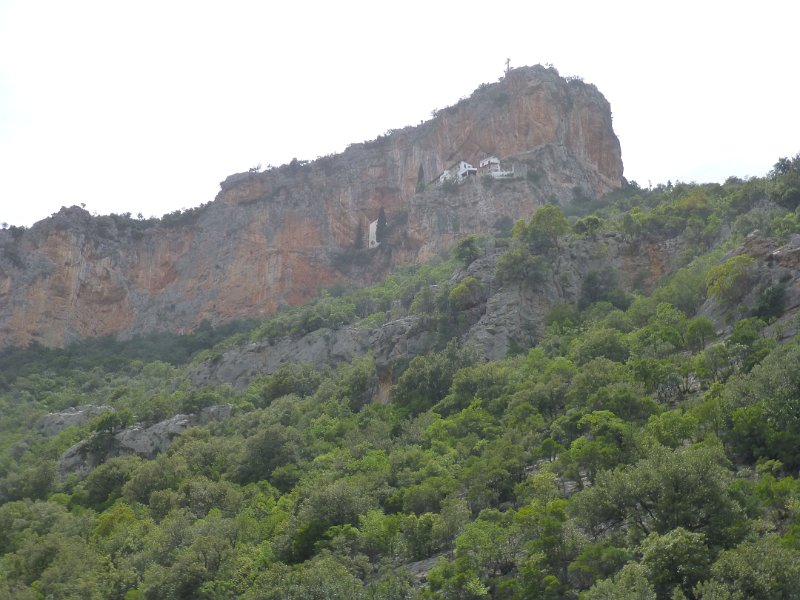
373	234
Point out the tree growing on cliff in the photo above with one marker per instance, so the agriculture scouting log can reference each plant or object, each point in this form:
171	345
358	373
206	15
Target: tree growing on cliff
730	280
112	421
785	182
420	179
468	249
544	229
382	228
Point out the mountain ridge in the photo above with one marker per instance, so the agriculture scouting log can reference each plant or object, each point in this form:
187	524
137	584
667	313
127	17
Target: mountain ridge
275	238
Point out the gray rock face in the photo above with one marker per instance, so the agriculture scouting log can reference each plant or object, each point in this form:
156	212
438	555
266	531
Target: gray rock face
146	442
419	569
149	441
52	423
514	314
321	348
775	266
511	315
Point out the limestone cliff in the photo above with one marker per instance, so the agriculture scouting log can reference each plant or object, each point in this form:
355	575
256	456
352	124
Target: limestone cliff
275	238
510	315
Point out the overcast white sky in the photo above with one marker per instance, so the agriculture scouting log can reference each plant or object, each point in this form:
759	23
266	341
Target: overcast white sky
145	106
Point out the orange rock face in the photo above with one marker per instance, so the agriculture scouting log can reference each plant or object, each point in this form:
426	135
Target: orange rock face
276	238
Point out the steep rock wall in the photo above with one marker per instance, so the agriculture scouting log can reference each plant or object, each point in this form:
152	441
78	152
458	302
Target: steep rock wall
276	238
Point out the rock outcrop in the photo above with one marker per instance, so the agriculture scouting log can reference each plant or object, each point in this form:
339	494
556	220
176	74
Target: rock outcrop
52	423
776	268
276	238
137	440
510	315
389	344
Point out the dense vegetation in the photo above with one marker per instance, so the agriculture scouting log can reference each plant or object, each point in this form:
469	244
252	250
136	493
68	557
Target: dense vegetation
639	450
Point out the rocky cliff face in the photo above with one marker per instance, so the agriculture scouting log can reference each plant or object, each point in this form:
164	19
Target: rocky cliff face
137	440
276	238
510	315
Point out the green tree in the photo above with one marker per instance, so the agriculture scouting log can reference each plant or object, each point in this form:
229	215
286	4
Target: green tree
547	224
466	294
587	226
631	583
323	578
337	503
598	560
769	400
549	532
678	558
490	479
33	481
428	378
785	182
699	331
672	428
490	543
377	532
592	377
356	382
760	569
270	448
633	223
626	400
104	484
599	342
602	286
605	442
518	265
687	487
771	303
468	249
164	472
112	421
730	280
685	289
485	552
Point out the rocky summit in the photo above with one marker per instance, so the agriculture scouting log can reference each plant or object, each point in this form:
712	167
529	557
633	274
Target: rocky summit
275	238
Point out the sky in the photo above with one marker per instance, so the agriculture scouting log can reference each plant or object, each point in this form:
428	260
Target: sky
144	107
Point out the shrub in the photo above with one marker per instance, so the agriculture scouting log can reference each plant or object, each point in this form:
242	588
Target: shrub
730	280
449	186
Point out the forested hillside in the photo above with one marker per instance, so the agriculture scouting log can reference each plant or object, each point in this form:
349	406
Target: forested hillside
635	435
